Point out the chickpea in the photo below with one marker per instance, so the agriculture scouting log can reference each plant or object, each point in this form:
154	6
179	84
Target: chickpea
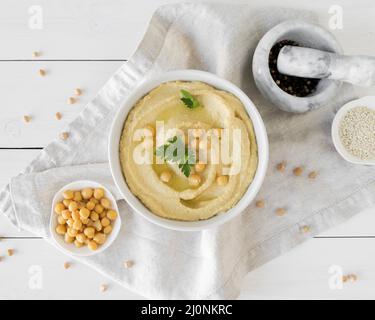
66	202
89	232
77	224
199	167
61	229
77	196
99	208
194	180
100	238
105	203
86	221
96	201
66	214
84	213
94	216
76	215
78	244
90	205
111	215
70	222
97	225
222	180
73	206
61	220
87	193
166	176
68	239
81	237
107	229
72	232
92	245
59	207
98	193
68	194
103	214
105	222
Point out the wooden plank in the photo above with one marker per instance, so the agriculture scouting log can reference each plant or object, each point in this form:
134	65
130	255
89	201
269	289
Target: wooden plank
302	273
105	29
25	92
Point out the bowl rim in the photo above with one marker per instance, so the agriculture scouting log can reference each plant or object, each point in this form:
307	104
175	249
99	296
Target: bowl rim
69	248
117	126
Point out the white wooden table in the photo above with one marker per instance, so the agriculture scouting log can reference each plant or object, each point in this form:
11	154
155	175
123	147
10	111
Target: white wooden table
82	43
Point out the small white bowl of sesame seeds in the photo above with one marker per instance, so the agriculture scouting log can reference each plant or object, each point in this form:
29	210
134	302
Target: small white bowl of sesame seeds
353	131
84	218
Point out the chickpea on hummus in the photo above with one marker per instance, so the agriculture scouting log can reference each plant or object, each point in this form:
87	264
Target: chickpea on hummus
202	121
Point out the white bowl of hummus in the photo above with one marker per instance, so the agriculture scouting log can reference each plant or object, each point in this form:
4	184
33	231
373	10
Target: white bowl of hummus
188	150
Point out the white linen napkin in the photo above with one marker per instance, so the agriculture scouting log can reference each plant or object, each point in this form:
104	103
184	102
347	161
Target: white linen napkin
209	264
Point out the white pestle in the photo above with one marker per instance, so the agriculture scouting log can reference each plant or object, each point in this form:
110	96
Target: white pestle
312	63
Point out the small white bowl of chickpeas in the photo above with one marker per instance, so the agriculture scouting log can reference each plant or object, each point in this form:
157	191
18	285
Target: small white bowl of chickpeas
84	219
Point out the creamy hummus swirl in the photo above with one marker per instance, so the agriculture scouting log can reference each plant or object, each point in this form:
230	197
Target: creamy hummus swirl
177	199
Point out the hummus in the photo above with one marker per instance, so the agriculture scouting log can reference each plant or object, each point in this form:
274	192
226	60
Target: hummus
173	195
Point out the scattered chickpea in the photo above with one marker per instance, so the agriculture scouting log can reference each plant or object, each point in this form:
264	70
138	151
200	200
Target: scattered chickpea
64	135
313	175
105	203
199	167
58	116
222	180
35	54
103	288
26	118
305	229
77	91
66	265
166	176
42	72
71	100
128	264
10	252
98	193
297	171
260	204
281	166
194	180
280	211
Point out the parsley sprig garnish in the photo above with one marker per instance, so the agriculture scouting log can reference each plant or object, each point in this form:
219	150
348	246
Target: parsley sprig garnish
175	151
188	99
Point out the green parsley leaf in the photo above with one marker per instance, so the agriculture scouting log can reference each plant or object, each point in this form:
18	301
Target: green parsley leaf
175	151
188	99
